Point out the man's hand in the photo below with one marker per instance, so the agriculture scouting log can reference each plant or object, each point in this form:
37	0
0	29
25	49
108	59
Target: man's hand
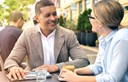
50	68
15	73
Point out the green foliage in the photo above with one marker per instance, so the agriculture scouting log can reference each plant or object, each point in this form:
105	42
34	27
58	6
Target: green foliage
88	26
126	7
18	4
67	24
97	42
80	24
83	21
71	25
13	5
61	21
1	13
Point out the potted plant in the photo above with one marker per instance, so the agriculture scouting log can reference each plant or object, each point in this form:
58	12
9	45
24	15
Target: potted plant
70	24
61	21
81	35
91	37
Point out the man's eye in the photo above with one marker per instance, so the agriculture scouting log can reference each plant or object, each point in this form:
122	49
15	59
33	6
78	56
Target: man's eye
47	15
54	14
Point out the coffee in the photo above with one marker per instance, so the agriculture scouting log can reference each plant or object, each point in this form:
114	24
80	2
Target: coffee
69	67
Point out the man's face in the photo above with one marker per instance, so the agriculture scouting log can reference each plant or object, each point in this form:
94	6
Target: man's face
48	18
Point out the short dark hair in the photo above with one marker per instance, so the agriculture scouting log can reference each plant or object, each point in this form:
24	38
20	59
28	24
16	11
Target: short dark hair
16	15
42	3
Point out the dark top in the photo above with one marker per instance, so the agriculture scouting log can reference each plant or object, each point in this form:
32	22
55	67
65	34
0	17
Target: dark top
3	78
8	38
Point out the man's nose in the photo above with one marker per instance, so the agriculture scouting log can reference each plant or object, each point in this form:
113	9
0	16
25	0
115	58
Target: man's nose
52	17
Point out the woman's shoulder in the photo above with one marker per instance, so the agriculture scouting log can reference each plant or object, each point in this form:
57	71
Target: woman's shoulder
121	34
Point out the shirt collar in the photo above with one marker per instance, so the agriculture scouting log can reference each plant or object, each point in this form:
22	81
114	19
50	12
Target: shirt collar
52	34
104	41
109	36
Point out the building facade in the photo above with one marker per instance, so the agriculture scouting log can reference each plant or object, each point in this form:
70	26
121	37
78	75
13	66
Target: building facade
72	8
125	5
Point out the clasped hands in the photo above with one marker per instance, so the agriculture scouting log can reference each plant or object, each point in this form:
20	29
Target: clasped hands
18	73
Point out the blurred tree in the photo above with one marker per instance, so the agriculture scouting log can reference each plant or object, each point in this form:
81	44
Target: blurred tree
71	25
10	5
1	13
61	21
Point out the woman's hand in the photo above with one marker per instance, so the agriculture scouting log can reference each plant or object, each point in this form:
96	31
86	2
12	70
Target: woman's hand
68	75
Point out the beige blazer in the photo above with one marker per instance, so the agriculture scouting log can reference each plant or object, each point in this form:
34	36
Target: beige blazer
29	43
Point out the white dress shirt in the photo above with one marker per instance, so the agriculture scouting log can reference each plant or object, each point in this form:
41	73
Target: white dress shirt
48	47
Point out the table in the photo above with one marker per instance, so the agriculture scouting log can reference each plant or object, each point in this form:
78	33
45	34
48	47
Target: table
3	78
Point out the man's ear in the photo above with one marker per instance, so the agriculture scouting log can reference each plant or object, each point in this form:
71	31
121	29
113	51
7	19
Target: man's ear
19	19
36	18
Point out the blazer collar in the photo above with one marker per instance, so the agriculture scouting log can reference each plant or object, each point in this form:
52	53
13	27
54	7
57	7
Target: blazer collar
36	39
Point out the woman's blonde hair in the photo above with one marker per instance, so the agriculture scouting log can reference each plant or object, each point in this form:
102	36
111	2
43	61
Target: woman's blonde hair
109	13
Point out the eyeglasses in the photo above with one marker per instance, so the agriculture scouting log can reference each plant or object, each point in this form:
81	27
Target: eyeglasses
91	17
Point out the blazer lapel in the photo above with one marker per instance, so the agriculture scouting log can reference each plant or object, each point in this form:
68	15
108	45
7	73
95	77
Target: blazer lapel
36	39
58	42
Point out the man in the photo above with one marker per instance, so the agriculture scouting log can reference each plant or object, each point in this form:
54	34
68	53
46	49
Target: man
1	27
10	34
46	45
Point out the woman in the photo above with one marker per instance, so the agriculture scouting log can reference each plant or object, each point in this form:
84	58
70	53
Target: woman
111	64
